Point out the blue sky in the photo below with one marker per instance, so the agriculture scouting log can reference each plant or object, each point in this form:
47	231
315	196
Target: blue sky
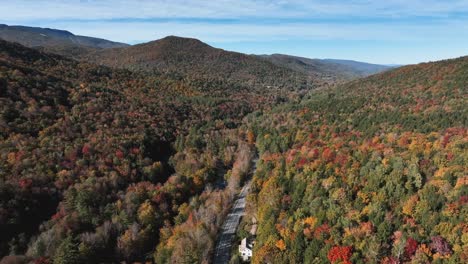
384	31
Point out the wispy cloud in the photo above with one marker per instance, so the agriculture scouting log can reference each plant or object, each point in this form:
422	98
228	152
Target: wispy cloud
227	32
227	22
111	9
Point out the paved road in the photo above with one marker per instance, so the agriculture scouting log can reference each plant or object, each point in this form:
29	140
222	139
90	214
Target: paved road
228	231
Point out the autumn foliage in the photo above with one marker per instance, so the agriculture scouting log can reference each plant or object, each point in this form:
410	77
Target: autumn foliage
340	254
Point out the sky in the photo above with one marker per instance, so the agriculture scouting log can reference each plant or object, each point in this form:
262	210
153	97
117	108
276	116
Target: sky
383	31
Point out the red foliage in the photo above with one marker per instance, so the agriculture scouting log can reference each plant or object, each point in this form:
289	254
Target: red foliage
463	199
340	254
302	162
342	159
25	183
411	246
19	155
119	154
135	151
41	260
323	229
445	140
315	153
450	156
159	198
328	154
307	233
86	149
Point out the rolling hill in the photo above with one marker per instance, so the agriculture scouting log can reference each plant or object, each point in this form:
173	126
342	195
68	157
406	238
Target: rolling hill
194	59
370	171
333	69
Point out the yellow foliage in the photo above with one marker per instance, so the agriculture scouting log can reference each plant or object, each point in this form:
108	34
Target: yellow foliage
364	197
197	180
408	208
327	183
439	256
425	249
444	229
311	221
375	140
385	161
250	137
146	212
461	182
366	210
11	158
440	172
281	245
464	238
391	137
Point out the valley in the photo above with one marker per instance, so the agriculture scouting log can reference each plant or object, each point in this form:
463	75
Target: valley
162	152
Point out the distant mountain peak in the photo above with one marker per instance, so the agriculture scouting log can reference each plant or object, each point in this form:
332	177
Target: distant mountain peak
332	68
171	42
55	40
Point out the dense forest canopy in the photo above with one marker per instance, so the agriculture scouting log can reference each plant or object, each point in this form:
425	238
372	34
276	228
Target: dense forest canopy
373	171
136	154
97	162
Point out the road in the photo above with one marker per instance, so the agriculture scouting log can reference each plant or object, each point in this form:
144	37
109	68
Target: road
228	231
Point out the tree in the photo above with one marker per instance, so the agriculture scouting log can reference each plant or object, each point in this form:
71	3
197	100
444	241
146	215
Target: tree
340	254
67	252
440	245
411	247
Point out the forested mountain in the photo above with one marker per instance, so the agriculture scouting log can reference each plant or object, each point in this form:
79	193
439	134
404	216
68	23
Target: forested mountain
199	62
340	70
55	40
372	171
103	165
192	59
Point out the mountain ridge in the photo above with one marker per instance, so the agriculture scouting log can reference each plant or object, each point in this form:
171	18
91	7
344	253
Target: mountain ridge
159	54
195	59
343	70
55	40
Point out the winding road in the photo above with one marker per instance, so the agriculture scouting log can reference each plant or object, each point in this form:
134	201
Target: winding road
228	231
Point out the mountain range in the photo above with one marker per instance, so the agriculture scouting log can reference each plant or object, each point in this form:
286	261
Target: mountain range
54	40
184	55
328	68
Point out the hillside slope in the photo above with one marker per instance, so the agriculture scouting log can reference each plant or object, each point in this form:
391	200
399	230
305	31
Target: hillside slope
54	40
97	164
340	70
193	59
372	171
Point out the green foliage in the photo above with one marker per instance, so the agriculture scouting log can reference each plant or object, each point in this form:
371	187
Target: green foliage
373	162
67	252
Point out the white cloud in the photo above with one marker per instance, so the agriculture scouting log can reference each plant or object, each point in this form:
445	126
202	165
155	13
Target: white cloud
132	32
417	22
28	10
